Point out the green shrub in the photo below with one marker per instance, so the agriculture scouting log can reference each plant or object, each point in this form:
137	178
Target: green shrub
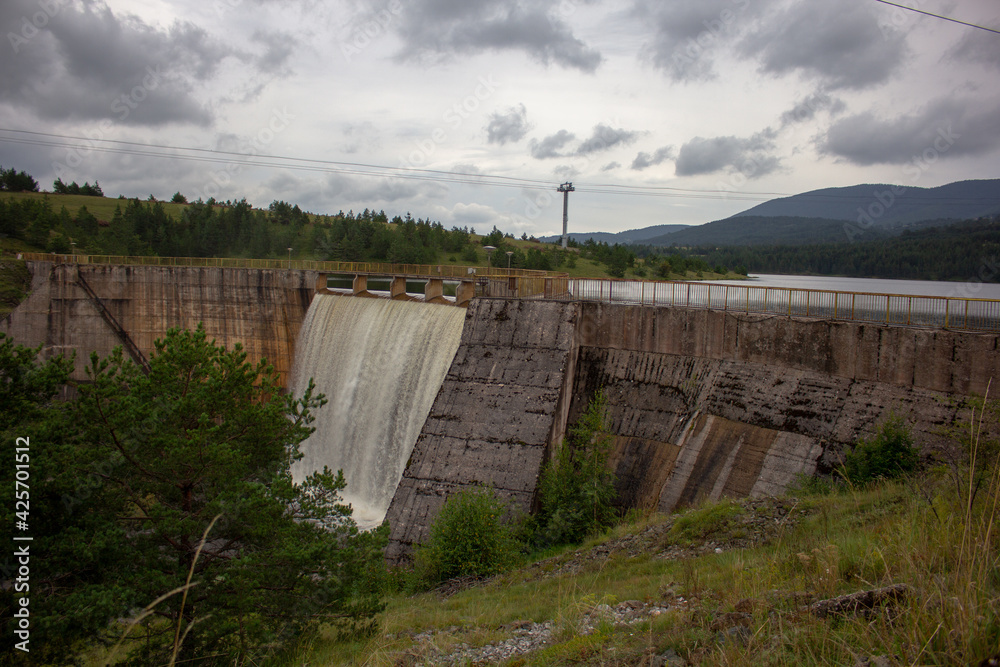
887	455
699	524
471	536
576	489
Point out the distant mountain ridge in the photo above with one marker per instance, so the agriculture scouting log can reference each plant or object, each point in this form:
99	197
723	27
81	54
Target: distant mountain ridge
629	236
888	204
829	215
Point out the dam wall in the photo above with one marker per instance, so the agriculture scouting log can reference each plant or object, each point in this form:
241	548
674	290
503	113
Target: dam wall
494	416
700	404
75	307
709	403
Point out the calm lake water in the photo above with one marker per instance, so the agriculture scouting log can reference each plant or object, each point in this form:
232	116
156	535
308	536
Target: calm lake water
874	285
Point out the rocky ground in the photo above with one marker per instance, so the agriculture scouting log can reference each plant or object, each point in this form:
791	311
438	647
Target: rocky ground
742	524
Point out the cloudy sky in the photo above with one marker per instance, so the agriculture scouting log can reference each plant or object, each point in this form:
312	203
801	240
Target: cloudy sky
471	112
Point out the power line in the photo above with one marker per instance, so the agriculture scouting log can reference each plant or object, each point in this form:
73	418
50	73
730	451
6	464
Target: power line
112	146
938	16
204	155
449	174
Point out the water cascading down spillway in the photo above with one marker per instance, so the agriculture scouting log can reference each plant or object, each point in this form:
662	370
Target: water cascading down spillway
380	364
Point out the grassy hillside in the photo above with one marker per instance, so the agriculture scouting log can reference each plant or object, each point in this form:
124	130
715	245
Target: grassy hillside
842	572
103	208
738	582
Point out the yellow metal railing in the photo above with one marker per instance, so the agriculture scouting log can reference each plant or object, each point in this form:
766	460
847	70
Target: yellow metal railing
895	309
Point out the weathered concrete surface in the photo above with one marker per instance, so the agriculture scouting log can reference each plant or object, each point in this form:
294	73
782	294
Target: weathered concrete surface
262	309
494	416
944	361
708	404
701	404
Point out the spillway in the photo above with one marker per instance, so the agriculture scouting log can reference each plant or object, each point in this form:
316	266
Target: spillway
380	364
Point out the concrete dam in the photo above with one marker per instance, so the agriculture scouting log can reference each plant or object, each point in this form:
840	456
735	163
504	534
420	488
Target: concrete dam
701	403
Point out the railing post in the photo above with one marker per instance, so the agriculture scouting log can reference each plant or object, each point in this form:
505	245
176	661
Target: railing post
725	298
947	302
966	314
852	306
836	296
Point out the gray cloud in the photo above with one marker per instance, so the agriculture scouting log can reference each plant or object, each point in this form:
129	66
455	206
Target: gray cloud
566	172
947	127
840	43
605	137
644	160
278	49
807	108
360	137
611	166
689	34
435	29
551	145
978	46
510	126
348	188
87	63
749	156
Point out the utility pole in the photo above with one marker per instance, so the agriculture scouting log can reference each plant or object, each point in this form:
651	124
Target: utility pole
565	188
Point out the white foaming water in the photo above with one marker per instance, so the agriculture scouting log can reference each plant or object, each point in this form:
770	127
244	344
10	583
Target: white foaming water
380	364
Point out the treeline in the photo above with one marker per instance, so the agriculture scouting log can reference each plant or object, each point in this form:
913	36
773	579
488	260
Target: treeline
17	181
616	258
236	229
663	266
961	251
552	258
231	229
74	189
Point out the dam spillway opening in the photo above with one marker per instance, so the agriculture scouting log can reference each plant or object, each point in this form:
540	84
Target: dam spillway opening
380	364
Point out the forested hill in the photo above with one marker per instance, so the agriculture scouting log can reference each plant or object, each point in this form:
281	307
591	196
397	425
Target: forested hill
756	231
888	205
966	251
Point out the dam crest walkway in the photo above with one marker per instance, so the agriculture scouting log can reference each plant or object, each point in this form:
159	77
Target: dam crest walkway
457	285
